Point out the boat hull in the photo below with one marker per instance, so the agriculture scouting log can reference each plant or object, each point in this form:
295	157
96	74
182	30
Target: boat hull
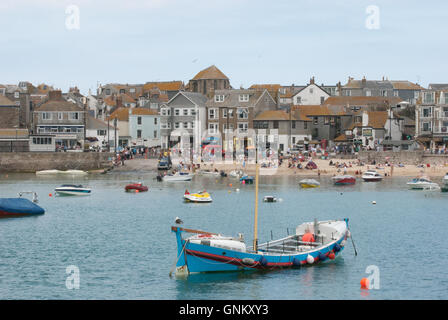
178	178
19	207
135	188
196	258
372	179
344	182
73	192
191	198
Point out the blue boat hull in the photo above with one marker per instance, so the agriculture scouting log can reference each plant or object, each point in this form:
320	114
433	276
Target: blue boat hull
17	207
194	257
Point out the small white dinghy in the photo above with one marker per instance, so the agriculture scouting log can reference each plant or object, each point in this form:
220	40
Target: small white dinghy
74	172
47	172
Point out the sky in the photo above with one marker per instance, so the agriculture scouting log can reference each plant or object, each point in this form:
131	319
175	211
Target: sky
251	41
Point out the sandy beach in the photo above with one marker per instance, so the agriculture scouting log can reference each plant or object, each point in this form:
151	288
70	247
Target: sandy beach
324	168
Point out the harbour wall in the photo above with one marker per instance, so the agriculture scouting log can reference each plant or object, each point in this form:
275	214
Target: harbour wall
405	157
35	161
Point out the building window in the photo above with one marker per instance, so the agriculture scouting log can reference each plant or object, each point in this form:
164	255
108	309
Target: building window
298	100
275	124
230	112
315	120
74	115
243	98
426	126
139	120
139	133
132	90
428	97
122	90
155	133
293	124
16	94
101	132
155	121
46	116
243	113
305	125
185	112
165	111
192	112
224	113
368	93
60	116
176	125
107	91
212	128
426	112
242	127
177	112
219	98
212	113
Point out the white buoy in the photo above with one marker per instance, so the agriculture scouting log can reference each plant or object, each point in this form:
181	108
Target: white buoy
373	202
237	190
310	259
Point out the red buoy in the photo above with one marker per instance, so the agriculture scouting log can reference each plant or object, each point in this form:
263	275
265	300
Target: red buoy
331	255
364	283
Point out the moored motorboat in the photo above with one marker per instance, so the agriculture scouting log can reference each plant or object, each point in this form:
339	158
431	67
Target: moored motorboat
423	183
178	176
136	187
445	183
214	173
18	207
371	175
72	190
270	199
309	183
198	197
344	180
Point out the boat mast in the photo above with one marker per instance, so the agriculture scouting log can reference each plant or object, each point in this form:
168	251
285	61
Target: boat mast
256	197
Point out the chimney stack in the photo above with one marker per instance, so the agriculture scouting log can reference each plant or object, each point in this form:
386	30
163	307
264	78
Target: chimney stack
55	95
312	80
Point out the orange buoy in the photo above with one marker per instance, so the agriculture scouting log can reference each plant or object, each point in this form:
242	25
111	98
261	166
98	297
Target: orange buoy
364	283
331	256
137	191
230	184
49	194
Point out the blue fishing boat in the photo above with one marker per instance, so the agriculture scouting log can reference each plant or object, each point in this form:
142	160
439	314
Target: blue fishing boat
312	243
18	207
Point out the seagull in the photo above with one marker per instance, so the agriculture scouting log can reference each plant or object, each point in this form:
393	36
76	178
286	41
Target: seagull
178	220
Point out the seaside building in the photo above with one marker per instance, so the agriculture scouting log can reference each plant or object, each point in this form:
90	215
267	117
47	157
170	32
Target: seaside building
100	135
144	127
312	94
431	118
65	120
184	115
292	131
209	80
403	89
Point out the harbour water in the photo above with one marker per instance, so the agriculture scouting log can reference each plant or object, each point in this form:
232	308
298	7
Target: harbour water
124	249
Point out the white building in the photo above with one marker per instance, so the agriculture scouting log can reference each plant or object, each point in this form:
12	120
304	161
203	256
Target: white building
312	94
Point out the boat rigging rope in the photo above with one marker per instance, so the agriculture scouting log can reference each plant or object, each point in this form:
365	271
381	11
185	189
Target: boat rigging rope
175	263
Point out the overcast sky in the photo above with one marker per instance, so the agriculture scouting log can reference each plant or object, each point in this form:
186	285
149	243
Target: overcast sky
251	41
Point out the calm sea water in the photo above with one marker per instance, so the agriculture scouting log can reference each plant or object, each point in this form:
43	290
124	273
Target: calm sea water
124	249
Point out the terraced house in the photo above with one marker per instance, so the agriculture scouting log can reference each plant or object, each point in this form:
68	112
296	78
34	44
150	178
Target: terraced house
235	110
185	114
431	118
62	119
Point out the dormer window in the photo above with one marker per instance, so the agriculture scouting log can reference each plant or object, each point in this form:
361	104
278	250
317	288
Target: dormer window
219	98
244	98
